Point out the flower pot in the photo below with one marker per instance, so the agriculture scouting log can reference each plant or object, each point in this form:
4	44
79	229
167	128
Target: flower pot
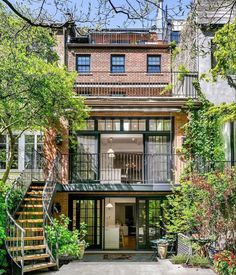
162	250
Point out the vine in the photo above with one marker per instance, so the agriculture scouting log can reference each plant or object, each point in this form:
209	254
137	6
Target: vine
204	139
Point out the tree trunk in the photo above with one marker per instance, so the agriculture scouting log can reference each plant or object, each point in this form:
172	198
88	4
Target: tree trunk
11	156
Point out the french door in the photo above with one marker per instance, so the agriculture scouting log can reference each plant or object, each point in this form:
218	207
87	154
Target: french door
84	161
157	158
88	211
149	221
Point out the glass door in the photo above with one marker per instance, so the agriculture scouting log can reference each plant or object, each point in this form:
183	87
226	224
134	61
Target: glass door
157	158
84	161
89	211
149	224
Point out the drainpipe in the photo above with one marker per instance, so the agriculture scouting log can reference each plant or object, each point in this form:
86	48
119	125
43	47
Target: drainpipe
159	20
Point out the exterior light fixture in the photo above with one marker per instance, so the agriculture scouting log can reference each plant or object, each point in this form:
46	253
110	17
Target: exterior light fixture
109	205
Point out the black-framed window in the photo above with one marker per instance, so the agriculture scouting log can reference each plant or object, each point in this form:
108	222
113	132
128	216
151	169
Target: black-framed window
117	63
175	36
83	63
160	124
153	63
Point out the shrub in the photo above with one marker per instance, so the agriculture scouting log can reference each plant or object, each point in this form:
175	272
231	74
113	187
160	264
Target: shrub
225	263
199	261
68	241
179	259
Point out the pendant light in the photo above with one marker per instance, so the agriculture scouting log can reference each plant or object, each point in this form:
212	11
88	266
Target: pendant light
109	205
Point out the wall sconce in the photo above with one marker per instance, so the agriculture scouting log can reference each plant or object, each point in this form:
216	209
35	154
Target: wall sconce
58	139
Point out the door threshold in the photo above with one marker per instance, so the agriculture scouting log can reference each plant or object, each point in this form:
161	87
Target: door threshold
118	252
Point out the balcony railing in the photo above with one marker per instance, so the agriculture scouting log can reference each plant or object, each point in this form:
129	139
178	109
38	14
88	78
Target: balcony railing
137	84
127	168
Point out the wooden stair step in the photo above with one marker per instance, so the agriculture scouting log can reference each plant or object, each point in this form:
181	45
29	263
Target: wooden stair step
34	229
29	213
28	247
36	187
32	257
34	193
31	205
34	238
30	221
32	199
30	268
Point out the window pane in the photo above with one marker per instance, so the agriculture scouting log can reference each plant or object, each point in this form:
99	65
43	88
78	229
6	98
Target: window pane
126	125
152	125
101	125
83	63
116	125
89	125
154	64
118	64
142	125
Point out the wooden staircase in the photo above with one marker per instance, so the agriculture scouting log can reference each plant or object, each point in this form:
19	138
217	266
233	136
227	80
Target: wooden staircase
27	240
30	218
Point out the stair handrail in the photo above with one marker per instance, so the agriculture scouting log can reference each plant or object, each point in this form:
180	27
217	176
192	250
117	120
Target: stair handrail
47	197
13	229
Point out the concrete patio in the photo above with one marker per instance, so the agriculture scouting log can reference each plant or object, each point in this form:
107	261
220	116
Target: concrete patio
163	267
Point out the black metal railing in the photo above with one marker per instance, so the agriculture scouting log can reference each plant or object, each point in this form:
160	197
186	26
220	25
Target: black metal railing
131	168
137	168
137	84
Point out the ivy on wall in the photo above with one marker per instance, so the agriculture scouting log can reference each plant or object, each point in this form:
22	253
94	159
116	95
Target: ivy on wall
204	141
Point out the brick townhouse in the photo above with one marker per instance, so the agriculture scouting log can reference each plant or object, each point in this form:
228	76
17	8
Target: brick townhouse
126	158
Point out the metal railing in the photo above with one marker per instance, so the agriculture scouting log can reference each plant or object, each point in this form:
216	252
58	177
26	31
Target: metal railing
45	170
48	193
15	233
137	84
131	168
125	38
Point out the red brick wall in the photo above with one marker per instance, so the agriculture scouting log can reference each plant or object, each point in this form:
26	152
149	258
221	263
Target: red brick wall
135	65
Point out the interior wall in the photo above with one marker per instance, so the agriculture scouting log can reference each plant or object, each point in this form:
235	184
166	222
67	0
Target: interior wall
110	213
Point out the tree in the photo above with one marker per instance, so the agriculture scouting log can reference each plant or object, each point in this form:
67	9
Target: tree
35	92
205	206
225	53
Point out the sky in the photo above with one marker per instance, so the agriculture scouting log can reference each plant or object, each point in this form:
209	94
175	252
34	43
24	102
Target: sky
176	9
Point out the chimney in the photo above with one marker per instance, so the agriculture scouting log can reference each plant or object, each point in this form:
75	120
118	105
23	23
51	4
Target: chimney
160	19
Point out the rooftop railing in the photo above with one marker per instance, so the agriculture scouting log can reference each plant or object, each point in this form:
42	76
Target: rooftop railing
137	84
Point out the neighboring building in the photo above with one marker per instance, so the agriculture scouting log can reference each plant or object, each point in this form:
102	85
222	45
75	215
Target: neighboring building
197	54
125	161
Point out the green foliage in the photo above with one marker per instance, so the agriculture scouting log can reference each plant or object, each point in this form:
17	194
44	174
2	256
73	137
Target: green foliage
225	50
168	88
182	72
225	263
68	241
205	206
194	260
3	259
35	92
199	261
204	140
179	259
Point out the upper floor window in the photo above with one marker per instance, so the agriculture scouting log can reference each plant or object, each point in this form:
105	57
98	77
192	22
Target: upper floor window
153	63
175	36
83	63
118	63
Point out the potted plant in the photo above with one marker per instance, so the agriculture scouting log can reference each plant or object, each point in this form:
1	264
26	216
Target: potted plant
162	246
81	241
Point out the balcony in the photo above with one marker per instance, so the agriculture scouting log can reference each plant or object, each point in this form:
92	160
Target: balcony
126	168
137	85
